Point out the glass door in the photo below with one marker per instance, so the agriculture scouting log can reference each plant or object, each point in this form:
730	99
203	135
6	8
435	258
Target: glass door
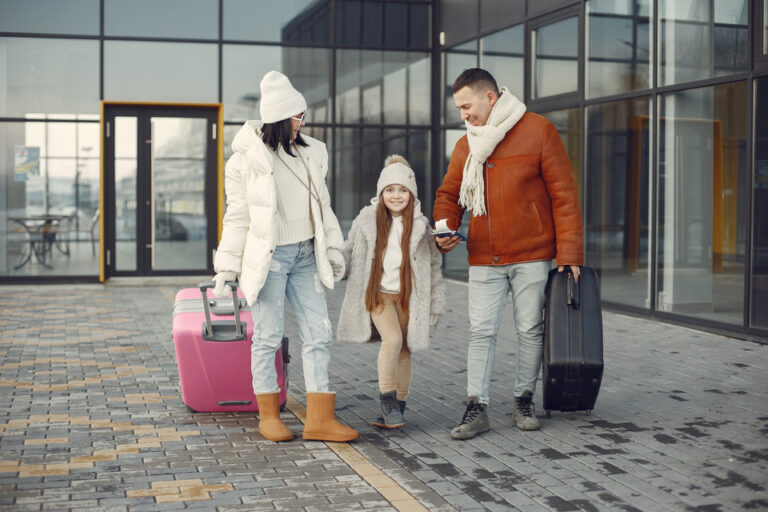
160	190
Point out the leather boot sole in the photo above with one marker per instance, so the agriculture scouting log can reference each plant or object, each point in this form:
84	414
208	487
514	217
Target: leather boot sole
329	437
287	437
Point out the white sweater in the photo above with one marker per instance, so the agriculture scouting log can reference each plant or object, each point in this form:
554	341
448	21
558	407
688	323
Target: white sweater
293	221
393	257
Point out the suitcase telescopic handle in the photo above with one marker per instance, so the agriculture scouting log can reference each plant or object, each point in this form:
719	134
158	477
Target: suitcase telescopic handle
571	289
207	308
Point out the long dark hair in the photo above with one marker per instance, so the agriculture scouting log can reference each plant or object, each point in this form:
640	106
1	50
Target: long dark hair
279	134
373	297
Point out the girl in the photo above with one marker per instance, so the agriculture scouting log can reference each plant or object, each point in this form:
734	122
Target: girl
394	281
281	238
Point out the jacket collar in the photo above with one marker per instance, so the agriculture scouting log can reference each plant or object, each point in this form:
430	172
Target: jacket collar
368	224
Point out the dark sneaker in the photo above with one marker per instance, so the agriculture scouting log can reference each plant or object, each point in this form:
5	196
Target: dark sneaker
475	420
524	413
391	415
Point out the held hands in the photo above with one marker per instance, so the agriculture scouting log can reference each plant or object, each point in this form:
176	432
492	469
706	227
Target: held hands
222	290
574	270
337	264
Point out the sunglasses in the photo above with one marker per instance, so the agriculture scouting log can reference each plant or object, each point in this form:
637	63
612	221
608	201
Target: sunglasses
300	118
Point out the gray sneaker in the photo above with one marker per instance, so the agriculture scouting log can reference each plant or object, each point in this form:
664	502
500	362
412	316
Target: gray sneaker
524	413
475	420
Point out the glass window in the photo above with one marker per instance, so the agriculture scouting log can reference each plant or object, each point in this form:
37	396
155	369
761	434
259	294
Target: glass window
151	71
395	90
619	47
765	26
496	14
419	95
456	60
702	210
79	17
126	197
47	76
367	81
162	18
759	311
244	66
295	21
502	56
418	156
555	62
395	31
458	20
568	124
697	42
382	23
617	217
455	262
347	163
49	198
419	23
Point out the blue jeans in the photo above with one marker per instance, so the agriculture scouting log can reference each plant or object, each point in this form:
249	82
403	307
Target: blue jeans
292	274
488	289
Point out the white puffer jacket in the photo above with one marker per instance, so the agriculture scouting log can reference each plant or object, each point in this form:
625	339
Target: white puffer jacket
249	232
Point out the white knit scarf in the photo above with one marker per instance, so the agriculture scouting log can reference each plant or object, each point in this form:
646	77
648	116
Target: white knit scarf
506	112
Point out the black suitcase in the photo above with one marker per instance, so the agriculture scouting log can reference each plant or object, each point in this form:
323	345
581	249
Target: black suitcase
573	341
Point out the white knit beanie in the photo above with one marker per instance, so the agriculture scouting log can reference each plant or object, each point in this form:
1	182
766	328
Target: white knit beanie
398	171
279	100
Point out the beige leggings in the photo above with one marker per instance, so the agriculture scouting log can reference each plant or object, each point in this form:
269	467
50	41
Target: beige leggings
394	355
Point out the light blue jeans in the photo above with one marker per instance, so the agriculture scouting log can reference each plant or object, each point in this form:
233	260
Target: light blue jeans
488	290
292	274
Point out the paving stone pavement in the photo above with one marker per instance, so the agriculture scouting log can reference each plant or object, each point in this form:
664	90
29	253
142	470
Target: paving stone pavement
91	418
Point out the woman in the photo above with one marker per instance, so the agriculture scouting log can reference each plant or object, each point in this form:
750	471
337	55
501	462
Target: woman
281	238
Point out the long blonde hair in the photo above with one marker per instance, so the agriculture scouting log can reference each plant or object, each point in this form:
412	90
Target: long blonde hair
383	224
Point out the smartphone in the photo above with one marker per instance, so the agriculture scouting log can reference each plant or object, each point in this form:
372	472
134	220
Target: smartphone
443	235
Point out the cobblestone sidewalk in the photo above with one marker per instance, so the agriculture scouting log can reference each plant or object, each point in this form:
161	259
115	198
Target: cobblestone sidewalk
92	419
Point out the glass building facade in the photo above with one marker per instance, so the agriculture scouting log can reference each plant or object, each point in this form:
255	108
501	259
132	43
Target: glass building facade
661	105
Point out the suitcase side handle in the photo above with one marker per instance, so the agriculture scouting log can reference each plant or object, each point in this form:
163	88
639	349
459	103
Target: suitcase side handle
207	308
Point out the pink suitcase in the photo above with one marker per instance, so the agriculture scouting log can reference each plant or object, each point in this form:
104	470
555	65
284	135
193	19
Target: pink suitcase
213	351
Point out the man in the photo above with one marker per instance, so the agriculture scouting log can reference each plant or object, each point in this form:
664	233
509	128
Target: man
512	173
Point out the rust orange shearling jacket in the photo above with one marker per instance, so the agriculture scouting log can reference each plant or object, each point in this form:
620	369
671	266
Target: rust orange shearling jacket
531	199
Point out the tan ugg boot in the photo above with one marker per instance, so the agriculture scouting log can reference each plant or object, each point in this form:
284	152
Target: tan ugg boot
321	423
270	424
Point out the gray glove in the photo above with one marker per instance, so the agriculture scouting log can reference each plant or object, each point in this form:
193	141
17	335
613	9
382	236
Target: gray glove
222	290
337	264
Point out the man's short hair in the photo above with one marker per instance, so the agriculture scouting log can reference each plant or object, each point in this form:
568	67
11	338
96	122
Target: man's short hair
476	78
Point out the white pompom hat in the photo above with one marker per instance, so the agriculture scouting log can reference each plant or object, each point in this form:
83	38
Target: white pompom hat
279	100
398	171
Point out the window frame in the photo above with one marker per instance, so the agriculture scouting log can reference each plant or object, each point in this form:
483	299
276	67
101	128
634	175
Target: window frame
557	101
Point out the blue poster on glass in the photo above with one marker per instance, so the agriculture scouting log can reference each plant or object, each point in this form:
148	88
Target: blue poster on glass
27	162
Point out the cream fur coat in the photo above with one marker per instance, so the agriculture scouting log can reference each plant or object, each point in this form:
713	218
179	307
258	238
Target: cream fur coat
427	294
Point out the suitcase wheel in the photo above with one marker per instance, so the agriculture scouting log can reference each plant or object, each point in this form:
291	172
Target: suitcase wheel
189	409
589	412
549	413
